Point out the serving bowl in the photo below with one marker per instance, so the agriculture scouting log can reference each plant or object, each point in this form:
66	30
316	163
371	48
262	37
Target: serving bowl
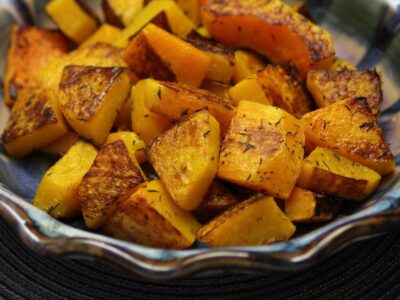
365	32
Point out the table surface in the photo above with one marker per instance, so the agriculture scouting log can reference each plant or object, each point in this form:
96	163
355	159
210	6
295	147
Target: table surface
368	270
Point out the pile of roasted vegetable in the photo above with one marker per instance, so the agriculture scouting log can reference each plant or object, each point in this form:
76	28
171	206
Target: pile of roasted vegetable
235	114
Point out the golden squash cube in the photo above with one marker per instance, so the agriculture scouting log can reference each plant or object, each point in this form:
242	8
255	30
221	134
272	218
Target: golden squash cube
62	145
31	48
111	178
56	193
148	125
90	98
349	128
329	173
35	121
285	89
328	87
246	64
151	218
121	13
176	100
304	206
256	221
135	145
156	53
340	64
251	90
191	8
105	34
263	149
73	18
186	158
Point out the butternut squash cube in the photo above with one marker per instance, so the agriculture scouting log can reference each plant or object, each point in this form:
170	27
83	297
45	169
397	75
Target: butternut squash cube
263	149
172	20
256	221
176	100
341	64
136	147
304	206
31	48
271	28
151	218
91	97
328	87
121	13
73	18
191	8
61	146
285	89
246	64
186	158
35	121
148	125
251	90
105	34
327	172
56	193
349	128
158	54
111	178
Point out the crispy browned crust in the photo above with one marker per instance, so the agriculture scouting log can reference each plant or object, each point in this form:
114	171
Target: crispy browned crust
111	176
312	36
31	48
210	46
326	208
110	15
144	61
85	87
33	110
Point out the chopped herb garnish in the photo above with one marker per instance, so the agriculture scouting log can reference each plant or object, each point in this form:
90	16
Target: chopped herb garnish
205	134
369	125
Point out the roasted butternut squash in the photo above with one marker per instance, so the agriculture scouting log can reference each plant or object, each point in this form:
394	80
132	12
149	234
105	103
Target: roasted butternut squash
90	98
328	87
260	138
218	88
349	128
136	147
35	121
73	18
150	217
327	172
271	28
191	8
121	13
186	158
256	221
56	193
31	48
340	64
105	34
246	64
250	89
111	178
62	145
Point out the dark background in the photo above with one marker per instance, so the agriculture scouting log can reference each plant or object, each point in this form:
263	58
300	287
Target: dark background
367	270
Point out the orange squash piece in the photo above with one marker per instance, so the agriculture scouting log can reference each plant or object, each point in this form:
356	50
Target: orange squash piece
271	28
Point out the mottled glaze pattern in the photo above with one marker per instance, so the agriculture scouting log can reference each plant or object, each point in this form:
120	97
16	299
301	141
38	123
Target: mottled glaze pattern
364	32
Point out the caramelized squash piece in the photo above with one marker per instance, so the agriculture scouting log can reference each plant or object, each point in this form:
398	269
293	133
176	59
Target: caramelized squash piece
327	172
73	18
285	89
218	88
121	13
263	149
176	100
151	218
250	89
31	48
328	87
56	193
271	28
256	221
161	55
136	147
349	128
221	67
341	64
163	13
217	200
186	158
105	34
62	145
246	64
35	121
111	178
148	125
90	98
304	206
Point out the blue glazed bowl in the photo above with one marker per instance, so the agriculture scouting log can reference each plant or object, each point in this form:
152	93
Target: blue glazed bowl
365	32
